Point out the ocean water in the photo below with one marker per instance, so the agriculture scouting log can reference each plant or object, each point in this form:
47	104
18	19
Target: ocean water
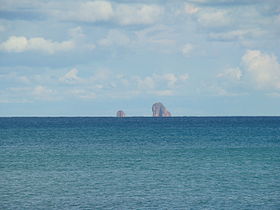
140	163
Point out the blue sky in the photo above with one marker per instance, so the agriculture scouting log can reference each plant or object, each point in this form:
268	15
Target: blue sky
92	58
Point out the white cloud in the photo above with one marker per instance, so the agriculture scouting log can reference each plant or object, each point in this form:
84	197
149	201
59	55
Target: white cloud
24	79
187	48
20	4
96	10
98	79
101	83
163	92
173	79
49	46
79	39
137	14
71	77
231	73
170	78
115	37
41	92
76	33
236	34
161	81
14	44
91	11
89	95
102	11
237	2
101	75
274	94
263	68
191	9
82	93
160	38
183	77
21	44
217	18
217	90
146	83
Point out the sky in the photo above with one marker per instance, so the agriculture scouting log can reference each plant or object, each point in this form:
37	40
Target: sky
93	58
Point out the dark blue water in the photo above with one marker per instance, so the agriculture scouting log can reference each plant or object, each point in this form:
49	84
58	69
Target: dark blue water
140	163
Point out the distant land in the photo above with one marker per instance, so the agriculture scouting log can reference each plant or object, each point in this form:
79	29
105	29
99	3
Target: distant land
120	113
158	110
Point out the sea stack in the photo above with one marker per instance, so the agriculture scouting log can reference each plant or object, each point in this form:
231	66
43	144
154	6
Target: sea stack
120	113
159	110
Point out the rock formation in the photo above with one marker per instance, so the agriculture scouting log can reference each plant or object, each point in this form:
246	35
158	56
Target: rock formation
120	113
159	110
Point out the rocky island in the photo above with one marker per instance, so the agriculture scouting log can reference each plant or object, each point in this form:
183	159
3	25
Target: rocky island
159	110
120	113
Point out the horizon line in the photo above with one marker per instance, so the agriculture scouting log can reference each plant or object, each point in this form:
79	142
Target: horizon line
88	116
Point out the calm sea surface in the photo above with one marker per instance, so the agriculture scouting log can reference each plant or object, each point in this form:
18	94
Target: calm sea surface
140	163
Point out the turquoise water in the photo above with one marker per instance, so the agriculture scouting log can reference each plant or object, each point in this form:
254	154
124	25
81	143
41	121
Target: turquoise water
140	163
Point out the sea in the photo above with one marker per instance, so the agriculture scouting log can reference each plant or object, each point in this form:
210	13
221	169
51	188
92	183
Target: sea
139	163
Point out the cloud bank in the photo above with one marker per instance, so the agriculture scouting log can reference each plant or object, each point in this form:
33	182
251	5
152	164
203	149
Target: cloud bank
105	11
263	68
20	44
